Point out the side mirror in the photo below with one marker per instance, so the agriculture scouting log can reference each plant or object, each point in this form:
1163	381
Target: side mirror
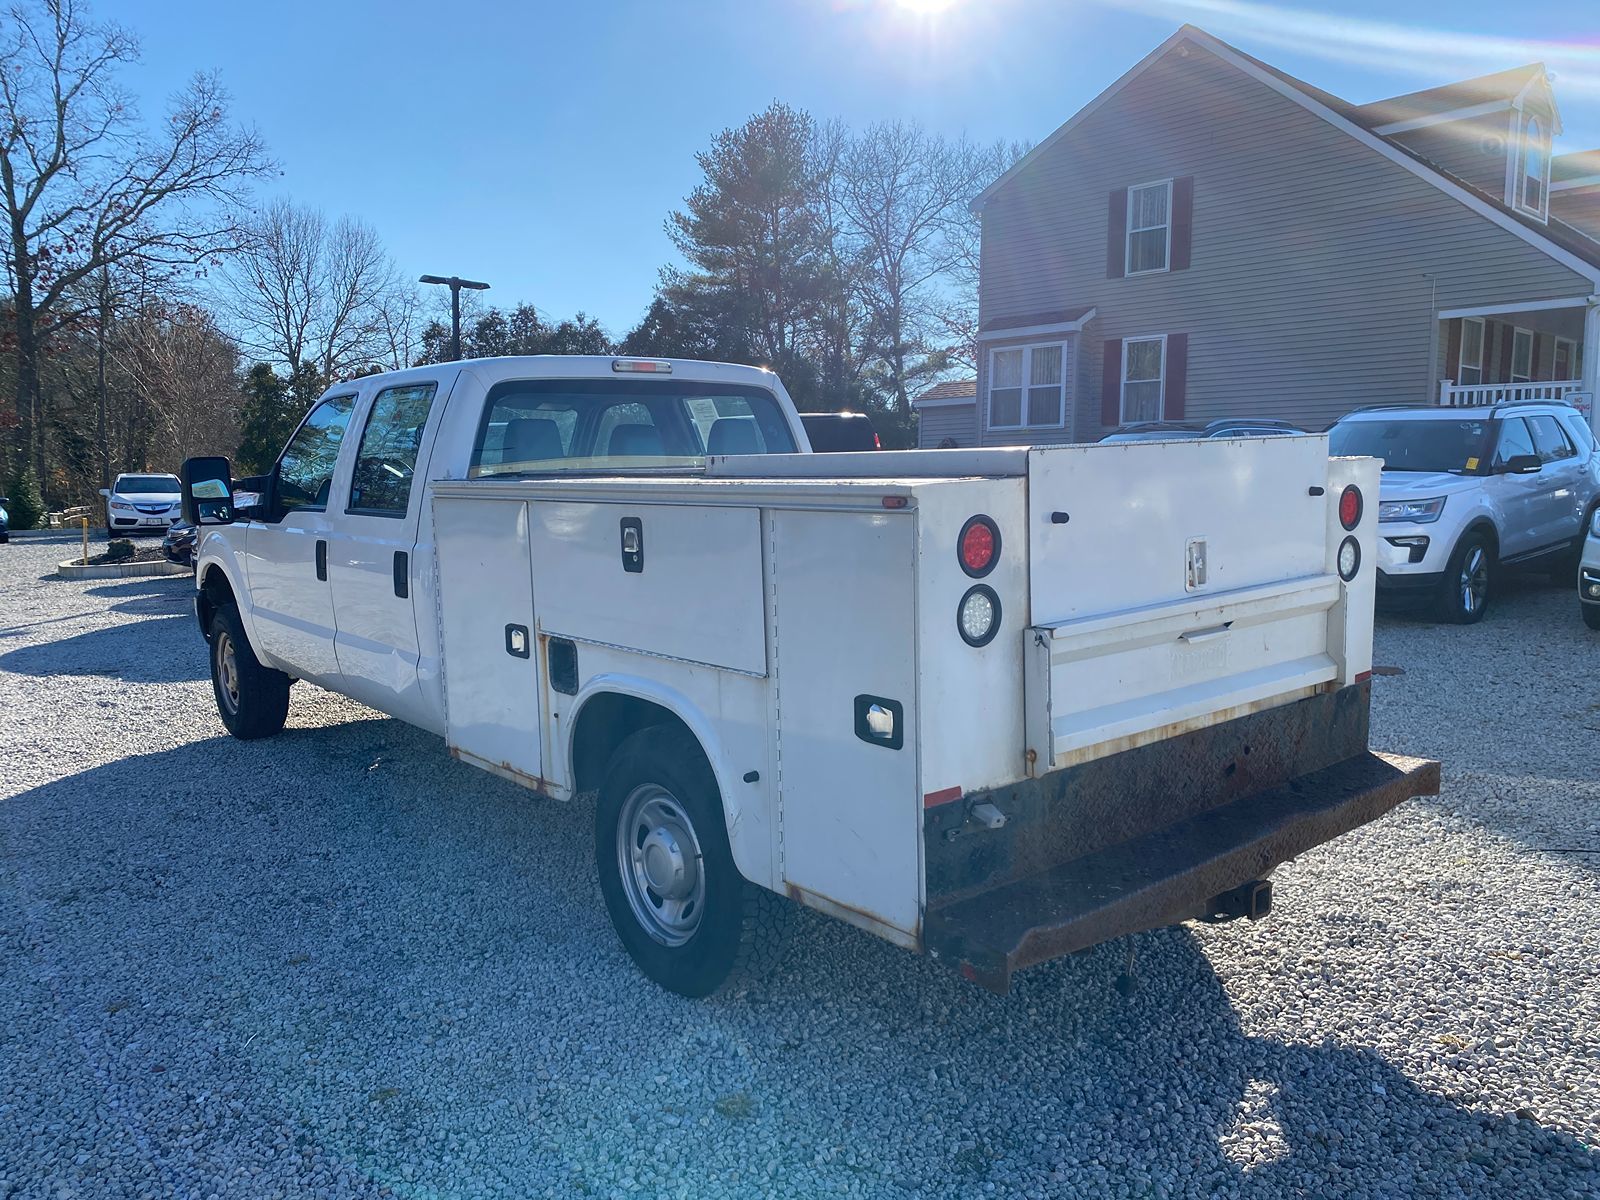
207	491
4	500
1523	464
104	491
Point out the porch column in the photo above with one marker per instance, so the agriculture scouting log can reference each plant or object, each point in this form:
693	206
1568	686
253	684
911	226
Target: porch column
1591	360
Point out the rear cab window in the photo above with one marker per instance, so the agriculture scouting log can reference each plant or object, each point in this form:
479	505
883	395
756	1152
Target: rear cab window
557	426
386	460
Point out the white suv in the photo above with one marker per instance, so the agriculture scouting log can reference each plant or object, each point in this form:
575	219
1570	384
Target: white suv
1466	490
142	504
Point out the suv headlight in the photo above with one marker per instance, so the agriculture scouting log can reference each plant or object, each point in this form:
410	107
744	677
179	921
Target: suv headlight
121	506
1420	512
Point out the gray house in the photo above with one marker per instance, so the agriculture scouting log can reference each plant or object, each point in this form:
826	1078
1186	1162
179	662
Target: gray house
1211	237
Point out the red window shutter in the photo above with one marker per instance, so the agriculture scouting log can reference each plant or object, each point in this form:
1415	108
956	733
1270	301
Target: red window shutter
1117	234
1111	383
1508	335
1452	351
1174	395
1182	221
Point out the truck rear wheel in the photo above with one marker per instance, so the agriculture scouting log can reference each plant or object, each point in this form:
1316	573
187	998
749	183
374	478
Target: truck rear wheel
253	700
685	915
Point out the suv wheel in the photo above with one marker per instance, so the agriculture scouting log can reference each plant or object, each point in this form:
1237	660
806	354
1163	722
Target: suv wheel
1591	614
1464	594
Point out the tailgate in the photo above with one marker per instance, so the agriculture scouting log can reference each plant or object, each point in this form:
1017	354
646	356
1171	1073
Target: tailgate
1173	585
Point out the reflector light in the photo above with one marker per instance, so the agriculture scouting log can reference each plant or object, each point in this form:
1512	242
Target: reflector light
978	546
895	501
1349	559
1350	507
642	366
978	617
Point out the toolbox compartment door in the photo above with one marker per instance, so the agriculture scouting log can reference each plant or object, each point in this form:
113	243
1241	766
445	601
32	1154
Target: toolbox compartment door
1172	585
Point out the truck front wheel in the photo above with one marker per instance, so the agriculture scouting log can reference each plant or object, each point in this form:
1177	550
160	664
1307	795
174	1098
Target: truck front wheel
685	915
252	699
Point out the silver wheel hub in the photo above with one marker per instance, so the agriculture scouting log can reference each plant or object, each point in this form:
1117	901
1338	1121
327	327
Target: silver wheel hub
658	858
228	671
1474	579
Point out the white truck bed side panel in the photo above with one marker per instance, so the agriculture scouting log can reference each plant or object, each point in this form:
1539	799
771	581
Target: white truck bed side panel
698	596
845	620
491	695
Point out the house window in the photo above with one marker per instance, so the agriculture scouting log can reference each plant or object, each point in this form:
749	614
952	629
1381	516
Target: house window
1144	362
1469	369
1522	356
1566	365
1149	227
1535	166
1027	387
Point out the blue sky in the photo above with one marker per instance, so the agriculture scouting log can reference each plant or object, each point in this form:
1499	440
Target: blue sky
540	146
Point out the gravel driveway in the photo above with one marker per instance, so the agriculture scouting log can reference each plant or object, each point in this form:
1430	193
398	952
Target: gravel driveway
339	964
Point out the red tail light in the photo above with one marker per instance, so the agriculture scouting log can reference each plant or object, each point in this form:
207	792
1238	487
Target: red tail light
978	547
1350	506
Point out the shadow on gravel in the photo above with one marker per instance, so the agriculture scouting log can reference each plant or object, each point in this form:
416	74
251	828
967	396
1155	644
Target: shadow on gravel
166	648
403	965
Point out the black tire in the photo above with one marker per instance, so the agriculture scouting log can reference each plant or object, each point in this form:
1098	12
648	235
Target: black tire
738	928
253	700
1463	600
1591	614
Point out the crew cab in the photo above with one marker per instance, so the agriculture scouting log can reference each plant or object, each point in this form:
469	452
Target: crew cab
992	705
1467	491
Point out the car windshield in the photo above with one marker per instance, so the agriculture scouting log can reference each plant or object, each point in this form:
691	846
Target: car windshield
551	426
146	484
1416	445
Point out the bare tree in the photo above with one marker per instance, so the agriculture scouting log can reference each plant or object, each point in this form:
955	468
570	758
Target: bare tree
84	187
399	325
958	315
903	193
309	294
183	370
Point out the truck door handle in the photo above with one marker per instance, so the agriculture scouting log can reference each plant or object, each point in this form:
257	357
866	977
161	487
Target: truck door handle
402	574
1195	636
322	561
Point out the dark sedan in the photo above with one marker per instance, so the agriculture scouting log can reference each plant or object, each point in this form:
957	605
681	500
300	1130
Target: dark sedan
178	545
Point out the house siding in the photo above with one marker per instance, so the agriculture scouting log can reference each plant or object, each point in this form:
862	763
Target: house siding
1309	291
958	421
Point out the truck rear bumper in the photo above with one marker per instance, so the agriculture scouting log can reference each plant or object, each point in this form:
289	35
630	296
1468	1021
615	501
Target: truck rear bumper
1164	873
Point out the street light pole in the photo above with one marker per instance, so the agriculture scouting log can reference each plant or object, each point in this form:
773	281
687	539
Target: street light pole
455	283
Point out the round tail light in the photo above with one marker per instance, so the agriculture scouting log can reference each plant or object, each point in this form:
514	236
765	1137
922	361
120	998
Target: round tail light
978	617
1349	559
978	547
1350	506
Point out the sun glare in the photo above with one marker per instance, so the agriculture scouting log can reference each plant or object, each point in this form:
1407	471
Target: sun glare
926	8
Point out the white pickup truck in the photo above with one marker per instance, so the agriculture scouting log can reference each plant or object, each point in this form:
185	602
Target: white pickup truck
995	705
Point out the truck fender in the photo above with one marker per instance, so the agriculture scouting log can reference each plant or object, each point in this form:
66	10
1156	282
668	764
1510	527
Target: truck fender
748	835
217	554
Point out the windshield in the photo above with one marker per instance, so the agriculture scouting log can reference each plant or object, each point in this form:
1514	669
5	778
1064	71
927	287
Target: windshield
166	485
1416	445
549	426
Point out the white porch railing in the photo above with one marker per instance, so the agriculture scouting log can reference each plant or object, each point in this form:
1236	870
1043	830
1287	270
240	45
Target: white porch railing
1474	395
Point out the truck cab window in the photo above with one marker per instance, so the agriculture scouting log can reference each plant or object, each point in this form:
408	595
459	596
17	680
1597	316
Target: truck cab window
546	426
305	471
386	460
